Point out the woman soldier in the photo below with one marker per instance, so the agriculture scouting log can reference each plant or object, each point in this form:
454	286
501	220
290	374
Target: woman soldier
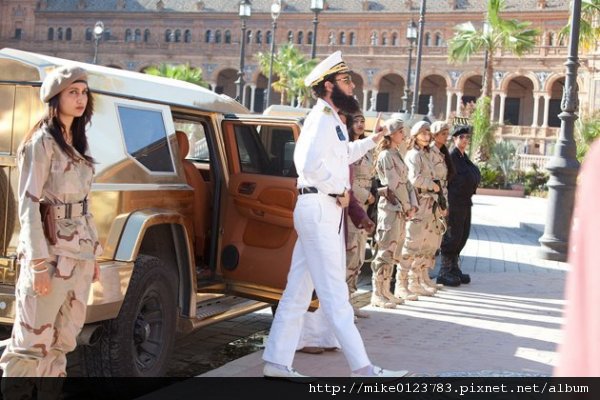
363	171
58	262
396	204
422	232
443	170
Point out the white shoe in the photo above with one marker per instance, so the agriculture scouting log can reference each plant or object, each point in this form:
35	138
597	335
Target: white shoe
272	371
381	373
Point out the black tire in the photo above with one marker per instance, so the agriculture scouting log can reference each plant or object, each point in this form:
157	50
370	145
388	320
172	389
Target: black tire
139	341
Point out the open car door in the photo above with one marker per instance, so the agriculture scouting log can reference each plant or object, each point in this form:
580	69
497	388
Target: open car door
258	236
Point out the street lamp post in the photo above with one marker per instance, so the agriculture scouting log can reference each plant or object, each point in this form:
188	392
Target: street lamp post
415	99
316	6
275	11
245	12
411	36
563	166
98	31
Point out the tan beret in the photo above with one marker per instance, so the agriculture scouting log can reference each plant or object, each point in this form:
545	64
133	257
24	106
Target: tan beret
414	131
392	125
439	126
59	79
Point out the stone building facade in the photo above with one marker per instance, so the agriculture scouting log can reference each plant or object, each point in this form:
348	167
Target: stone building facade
527	91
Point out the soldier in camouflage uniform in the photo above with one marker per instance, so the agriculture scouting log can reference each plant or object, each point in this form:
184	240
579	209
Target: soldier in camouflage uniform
356	242
423	231
57	267
397	203
442	170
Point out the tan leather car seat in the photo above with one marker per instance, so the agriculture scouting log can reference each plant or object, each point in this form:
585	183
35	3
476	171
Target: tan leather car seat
201	196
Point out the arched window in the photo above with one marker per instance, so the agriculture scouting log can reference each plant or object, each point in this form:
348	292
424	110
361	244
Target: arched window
395	40
342	38
248	37
268	37
300	37
138	35
178	35
88	34
551	39
352	38
217	36
259	36
68	34
207	36
146	35
128	37
59	34
187	36
384	39
228	36
309	38
51	34
428	39
438	39
290	36
168	35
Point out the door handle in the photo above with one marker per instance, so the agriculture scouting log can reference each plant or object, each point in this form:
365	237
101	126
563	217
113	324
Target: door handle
246	188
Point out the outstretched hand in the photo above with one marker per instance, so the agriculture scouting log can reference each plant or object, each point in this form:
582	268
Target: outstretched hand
378	130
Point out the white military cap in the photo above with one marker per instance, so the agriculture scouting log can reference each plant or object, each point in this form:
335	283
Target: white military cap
331	65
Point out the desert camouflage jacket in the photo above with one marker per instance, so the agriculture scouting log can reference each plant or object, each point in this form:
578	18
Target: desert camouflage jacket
48	174
393	173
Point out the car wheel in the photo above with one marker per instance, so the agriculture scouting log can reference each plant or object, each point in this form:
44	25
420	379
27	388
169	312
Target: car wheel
139	340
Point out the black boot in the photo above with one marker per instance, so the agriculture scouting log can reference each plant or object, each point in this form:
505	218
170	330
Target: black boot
464	278
446	277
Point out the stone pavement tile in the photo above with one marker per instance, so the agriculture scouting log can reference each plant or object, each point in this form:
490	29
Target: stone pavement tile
508	322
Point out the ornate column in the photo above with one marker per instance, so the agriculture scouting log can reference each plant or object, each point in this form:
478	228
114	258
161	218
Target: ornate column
536	110
373	106
501	111
493	106
459	96
448	104
546	111
365	99
252	93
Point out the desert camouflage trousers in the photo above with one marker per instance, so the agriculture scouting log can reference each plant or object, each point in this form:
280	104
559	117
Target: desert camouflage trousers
46	327
423	235
356	245
389	236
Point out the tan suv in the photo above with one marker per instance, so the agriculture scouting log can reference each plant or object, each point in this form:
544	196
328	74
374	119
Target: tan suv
196	225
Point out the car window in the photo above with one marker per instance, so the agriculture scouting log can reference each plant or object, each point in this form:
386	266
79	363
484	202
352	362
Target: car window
265	150
196	134
146	137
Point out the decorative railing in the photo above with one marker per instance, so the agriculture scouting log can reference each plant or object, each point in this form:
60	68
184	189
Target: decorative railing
525	162
524	132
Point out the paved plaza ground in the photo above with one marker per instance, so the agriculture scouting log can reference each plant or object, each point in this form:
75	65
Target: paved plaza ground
505	323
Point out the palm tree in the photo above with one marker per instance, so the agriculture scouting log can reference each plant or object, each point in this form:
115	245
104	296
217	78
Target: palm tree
589	32
291	66
498	34
182	72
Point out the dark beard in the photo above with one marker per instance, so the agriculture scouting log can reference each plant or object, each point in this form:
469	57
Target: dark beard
347	104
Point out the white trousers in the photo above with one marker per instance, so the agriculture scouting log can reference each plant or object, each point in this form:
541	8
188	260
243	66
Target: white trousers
319	263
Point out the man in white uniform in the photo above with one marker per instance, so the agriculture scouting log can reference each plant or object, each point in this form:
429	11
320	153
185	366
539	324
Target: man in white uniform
322	156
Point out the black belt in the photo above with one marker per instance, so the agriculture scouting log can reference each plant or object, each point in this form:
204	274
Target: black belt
311	189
